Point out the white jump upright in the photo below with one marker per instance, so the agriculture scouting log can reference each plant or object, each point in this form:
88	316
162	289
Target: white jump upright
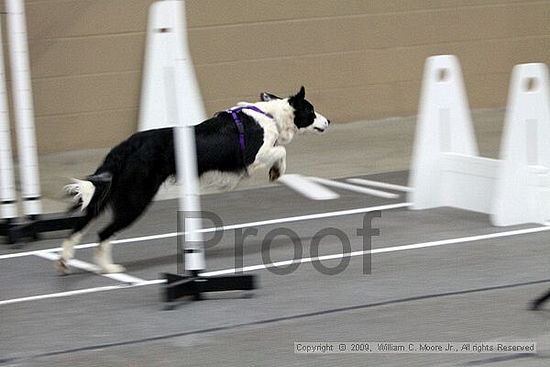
8	196
171	72
170	97
167	42
24	111
522	193
34	222
447	169
444	134
167	73
187	175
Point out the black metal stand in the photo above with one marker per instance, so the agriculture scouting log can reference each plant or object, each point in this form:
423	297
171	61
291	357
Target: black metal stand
194	285
538	302
5	226
16	231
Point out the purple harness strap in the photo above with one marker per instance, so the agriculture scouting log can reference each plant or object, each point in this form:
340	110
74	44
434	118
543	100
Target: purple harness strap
240	127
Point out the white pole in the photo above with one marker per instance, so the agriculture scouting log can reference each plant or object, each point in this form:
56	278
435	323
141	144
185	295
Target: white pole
24	112
186	169
8	197
183	109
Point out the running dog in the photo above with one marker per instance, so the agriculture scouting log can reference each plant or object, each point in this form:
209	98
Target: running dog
230	146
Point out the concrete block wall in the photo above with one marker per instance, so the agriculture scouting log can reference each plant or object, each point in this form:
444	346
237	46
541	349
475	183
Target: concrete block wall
359	59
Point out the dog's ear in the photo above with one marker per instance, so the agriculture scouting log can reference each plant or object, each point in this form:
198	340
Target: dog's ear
266	97
298	98
301	94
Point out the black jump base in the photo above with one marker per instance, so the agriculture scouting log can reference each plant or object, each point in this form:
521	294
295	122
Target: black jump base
194	285
537	303
17	230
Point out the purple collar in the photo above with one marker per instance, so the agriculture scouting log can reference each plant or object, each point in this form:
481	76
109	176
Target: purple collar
235	114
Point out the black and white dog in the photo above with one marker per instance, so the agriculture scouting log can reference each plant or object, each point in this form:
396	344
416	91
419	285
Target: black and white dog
230	145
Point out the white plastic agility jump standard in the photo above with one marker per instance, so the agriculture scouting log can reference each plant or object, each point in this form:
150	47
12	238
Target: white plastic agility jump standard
12	226
447	169
167	42
8	195
24	110
169	73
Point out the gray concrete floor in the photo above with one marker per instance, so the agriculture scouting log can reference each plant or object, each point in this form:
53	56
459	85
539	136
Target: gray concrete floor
464	291
468	291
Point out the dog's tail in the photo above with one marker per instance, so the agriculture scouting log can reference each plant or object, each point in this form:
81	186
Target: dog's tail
91	192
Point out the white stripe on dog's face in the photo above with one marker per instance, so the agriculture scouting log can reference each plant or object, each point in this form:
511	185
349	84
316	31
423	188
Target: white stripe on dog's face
319	125
305	119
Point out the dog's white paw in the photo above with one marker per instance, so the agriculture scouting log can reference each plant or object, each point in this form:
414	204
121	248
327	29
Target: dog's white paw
112	268
62	267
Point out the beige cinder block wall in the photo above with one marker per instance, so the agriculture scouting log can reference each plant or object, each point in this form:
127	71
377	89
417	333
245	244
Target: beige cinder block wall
359	59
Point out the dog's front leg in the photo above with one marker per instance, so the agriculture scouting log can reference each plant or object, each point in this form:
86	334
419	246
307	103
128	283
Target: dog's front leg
277	163
277	170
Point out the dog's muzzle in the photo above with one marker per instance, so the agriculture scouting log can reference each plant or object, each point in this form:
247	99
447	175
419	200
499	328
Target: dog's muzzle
320	124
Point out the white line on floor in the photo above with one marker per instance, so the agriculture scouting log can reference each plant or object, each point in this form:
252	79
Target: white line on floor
119	277
415	246
384	185
451	241
224	228
79	291
307	188
60	294
347	186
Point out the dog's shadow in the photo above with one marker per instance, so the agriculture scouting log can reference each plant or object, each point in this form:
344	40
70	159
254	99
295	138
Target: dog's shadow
250	249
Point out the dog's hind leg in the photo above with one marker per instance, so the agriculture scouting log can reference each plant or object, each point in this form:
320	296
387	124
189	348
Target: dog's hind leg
103	256
62	264
103	253
128	203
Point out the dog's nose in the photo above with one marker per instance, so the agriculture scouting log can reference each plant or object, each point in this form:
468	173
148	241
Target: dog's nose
328	122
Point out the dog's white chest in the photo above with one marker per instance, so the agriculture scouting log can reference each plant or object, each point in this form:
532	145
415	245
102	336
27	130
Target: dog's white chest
220	180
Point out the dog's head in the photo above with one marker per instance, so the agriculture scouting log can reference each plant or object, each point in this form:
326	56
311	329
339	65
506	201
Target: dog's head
305	118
